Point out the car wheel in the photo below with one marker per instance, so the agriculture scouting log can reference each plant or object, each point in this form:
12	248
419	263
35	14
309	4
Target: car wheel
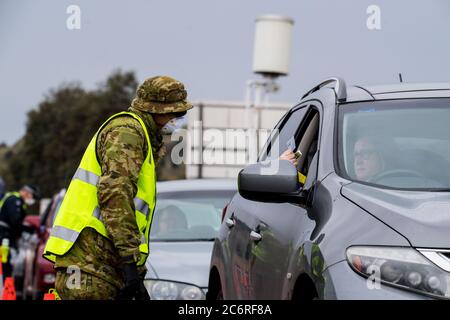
304	289
215	287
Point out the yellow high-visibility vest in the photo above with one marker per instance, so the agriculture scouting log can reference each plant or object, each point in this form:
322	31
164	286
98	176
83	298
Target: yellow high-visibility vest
80	208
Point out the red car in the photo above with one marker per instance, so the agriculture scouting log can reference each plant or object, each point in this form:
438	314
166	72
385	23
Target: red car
39	275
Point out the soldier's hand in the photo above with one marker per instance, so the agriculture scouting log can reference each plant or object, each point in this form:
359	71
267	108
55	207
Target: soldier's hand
134	285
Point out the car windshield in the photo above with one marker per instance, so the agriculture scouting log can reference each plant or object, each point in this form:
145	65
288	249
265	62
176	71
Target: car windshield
401	144
188	215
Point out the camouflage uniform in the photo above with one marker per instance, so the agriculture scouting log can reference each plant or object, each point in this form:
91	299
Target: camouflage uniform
121	150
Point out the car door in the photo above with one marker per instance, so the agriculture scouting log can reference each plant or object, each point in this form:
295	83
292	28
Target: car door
238	246
243	220
276	226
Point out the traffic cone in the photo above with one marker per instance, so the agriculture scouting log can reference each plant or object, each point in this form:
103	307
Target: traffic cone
52	295
9	293
49	296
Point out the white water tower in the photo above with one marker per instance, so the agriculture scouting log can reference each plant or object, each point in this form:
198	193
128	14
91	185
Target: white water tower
272	45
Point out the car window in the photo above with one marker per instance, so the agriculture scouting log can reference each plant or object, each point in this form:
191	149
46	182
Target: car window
188	216
308	144
402	144
281	135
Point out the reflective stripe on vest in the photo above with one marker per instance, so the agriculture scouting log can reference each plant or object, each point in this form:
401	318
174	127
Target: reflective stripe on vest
80	208
92	178
86	176
141	206
96	214
64	233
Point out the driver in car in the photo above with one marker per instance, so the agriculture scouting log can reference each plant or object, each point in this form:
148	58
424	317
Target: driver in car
368	160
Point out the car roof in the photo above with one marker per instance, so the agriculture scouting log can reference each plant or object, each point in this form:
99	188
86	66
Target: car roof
398	91
356	93
197	185
402	87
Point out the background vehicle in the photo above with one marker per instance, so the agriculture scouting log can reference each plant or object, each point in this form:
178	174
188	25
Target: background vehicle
186	220
39	274
348	232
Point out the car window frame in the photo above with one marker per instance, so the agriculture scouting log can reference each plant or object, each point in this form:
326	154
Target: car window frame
316	107
305	126
279	126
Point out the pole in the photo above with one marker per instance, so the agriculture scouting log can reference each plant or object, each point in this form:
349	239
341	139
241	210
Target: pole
200	146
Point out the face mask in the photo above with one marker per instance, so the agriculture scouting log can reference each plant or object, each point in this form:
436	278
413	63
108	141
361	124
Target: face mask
29	202
174	125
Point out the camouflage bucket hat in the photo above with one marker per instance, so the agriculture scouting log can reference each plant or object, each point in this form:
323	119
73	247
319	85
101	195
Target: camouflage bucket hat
161	94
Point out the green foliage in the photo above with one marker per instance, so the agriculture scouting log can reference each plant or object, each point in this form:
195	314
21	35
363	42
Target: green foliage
59	130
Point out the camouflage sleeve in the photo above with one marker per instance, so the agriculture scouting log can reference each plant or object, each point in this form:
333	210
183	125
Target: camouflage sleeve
121	154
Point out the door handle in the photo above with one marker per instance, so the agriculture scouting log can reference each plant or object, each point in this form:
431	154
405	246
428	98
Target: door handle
230	223
255	236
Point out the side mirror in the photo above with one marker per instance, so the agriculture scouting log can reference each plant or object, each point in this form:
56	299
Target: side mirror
270	181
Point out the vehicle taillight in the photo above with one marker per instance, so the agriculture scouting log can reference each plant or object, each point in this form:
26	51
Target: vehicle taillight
224	211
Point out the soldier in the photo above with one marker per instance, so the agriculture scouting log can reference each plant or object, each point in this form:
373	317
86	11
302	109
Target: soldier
99	241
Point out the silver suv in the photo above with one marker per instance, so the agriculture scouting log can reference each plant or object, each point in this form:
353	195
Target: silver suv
371	220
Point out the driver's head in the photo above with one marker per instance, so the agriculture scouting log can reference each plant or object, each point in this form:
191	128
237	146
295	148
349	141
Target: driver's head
368	161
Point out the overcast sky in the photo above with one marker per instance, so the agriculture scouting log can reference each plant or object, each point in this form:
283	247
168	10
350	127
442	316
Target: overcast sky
208	44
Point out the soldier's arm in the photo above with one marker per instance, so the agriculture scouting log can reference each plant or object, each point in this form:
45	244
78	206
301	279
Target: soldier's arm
121	154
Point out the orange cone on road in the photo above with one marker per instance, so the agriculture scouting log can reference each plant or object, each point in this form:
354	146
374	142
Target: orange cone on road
51	295
9	293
